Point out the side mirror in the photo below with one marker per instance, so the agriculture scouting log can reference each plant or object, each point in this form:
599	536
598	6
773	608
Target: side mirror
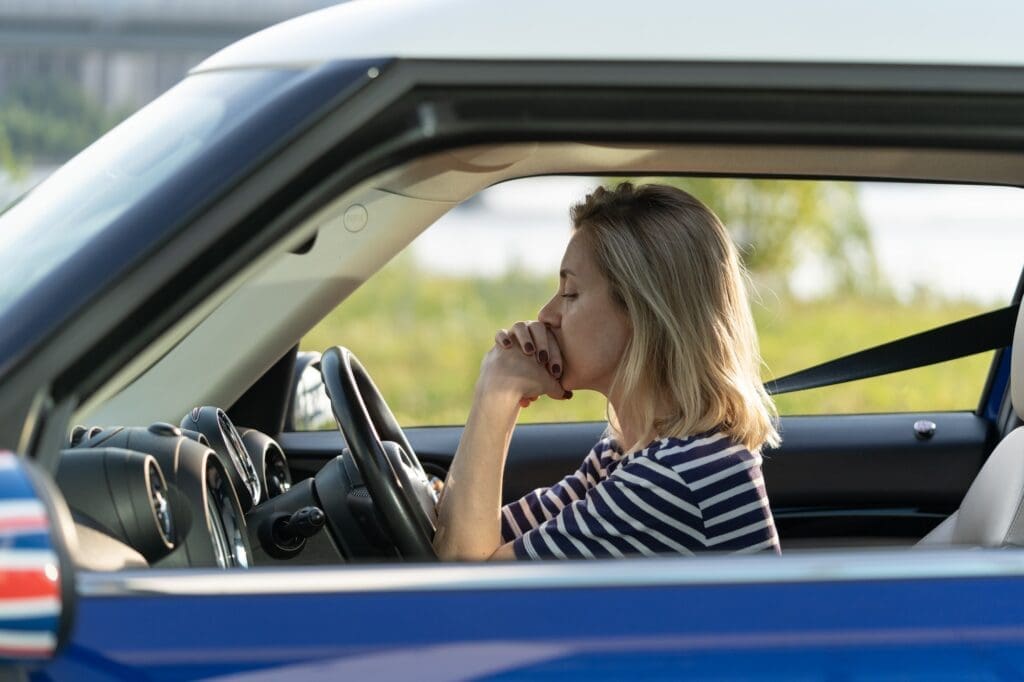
37	580
309	407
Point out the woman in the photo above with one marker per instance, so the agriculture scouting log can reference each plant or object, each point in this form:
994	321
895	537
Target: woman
651	311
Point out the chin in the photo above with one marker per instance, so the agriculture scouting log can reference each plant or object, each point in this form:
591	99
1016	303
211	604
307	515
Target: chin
568	383
571	383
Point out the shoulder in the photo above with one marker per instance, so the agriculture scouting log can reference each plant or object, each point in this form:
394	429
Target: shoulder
605	454
707	458
607	447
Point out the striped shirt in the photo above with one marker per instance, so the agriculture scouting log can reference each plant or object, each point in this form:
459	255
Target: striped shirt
675	496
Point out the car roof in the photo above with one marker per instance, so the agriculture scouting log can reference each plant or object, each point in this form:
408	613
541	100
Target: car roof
984	32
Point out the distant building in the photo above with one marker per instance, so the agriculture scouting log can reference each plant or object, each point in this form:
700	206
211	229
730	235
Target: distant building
126	52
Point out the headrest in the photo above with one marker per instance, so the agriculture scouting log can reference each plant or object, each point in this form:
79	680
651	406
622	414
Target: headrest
1017	366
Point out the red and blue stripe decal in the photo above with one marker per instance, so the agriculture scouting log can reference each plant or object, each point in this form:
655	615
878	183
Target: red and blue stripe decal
30	590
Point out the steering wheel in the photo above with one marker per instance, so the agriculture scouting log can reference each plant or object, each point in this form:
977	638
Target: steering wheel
402	495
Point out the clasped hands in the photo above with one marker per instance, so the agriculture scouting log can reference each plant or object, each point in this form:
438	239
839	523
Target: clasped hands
526	360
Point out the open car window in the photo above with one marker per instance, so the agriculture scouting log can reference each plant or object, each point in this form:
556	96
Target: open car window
835	267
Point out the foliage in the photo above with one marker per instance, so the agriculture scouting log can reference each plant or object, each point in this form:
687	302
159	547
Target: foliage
422	337
8	163
779	223
50	120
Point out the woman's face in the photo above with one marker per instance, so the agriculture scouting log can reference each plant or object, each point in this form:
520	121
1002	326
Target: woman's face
591	328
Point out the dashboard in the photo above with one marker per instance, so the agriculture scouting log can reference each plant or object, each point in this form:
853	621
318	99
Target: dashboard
199	494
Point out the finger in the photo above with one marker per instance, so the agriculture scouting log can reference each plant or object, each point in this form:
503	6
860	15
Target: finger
524	402
555	363
559	393
521	333
502	339
539	334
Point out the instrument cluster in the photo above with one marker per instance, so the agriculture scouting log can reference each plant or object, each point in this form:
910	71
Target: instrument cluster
174	496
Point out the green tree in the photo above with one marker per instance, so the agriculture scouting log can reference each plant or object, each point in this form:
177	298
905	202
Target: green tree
8	164
778	223
50	119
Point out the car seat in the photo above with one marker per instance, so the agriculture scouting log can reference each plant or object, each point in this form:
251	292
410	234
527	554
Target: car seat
992	512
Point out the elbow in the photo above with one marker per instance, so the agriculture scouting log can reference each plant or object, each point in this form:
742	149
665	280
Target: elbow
459	553
450	549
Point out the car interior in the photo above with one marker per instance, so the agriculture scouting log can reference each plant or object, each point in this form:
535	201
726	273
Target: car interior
204	465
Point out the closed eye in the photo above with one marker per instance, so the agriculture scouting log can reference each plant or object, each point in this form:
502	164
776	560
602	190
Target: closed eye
569	295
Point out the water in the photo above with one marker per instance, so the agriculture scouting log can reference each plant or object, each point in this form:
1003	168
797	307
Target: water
962	242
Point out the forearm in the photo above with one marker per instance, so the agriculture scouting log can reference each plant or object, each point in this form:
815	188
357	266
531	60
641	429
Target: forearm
469	524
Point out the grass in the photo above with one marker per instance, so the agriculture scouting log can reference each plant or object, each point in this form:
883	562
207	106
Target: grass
422	336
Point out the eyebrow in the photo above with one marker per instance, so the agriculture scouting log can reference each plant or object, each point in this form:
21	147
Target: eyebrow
564	271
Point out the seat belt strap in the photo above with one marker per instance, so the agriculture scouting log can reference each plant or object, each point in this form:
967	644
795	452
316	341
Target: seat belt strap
977	334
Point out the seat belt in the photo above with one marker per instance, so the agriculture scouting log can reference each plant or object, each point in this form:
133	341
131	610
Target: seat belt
977	334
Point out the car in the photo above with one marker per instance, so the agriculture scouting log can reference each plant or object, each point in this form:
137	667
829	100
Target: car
155	290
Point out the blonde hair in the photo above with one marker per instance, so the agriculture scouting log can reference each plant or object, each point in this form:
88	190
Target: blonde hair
693	349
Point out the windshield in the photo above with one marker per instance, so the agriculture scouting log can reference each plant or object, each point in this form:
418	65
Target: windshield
46	227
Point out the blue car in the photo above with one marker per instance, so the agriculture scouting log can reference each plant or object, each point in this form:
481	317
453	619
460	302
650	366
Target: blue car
172	511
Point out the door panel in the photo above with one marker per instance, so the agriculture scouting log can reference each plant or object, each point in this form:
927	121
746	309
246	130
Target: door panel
868	478
835	480
677	618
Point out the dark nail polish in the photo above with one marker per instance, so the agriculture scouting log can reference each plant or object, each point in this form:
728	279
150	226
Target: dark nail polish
542	356
568	394
556	370
528	347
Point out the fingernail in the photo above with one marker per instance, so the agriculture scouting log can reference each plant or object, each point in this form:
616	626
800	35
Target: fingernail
568	394
528	347
542	356
556	370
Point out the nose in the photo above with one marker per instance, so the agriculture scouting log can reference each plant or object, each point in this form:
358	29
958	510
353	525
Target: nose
549	314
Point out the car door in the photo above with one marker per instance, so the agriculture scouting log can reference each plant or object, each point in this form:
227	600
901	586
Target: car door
920	616
953	612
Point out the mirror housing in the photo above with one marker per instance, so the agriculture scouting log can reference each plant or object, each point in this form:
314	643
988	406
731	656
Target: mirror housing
37	579
309	408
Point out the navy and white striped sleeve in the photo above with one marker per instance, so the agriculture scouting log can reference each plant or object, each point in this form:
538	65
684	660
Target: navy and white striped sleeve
544	504
642	508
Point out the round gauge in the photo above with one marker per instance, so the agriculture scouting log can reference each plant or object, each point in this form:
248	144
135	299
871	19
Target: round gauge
239	455
214	424
225	530
279	479
271	464
158	500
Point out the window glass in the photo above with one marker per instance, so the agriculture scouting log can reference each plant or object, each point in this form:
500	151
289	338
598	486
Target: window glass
835	267
48	226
